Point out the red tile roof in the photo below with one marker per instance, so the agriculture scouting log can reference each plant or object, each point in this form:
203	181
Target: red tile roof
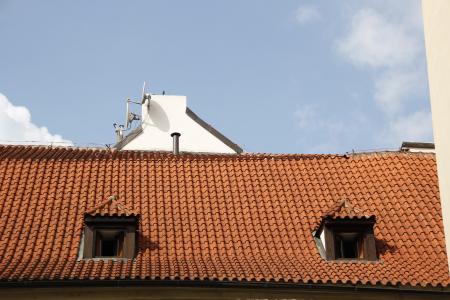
345	209
219	217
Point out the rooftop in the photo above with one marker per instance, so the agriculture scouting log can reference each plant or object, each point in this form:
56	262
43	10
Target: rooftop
219	217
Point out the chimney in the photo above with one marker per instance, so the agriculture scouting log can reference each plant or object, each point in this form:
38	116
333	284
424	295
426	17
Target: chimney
417	147
119	132
176	142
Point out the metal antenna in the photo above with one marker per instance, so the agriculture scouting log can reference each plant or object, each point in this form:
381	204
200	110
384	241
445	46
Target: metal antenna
143	91
145	96
129	116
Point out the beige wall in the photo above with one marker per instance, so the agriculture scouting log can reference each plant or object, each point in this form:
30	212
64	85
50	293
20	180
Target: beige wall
167	293
436	18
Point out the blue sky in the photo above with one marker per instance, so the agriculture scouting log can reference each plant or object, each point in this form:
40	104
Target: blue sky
274	76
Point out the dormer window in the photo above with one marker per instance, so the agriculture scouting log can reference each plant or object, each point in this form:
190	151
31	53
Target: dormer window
346	234
348	239
110	230
109	237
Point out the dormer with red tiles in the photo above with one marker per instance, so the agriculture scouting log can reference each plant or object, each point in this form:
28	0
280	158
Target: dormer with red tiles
110	231
346	233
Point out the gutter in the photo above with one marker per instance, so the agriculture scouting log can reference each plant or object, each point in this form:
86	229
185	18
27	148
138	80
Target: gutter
407	289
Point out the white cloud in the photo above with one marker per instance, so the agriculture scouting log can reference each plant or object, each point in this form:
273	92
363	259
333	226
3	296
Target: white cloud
386	39
310	117
311	120
305	116
306	14
395	88
413	127
375	41
16	126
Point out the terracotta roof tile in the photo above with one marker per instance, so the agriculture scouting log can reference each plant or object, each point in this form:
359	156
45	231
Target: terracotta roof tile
344	209
111	207
243	217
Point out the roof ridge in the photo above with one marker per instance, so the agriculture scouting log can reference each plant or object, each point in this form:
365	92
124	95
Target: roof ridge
207	154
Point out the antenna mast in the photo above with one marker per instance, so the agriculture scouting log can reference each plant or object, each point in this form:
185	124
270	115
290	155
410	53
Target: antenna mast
130	116
143	91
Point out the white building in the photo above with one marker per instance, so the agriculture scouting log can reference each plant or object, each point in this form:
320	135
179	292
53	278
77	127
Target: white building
436	18
163	115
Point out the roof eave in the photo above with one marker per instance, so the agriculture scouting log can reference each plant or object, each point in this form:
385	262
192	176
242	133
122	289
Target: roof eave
437	290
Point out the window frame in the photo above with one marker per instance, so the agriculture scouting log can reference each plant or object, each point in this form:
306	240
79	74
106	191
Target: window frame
332	228
95	224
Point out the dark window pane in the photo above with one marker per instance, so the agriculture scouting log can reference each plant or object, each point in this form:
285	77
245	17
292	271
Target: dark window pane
109	248
350	249
338	247
346	245
109	243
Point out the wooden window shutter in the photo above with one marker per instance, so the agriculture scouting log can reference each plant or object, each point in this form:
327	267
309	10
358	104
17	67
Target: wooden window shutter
370	250
330	243
129	243
361	247
120	242
88	251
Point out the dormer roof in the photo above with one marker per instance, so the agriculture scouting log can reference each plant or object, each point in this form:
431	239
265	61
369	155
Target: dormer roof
112	207
344	209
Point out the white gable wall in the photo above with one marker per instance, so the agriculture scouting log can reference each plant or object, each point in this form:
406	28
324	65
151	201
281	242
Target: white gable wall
436	19
167	114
